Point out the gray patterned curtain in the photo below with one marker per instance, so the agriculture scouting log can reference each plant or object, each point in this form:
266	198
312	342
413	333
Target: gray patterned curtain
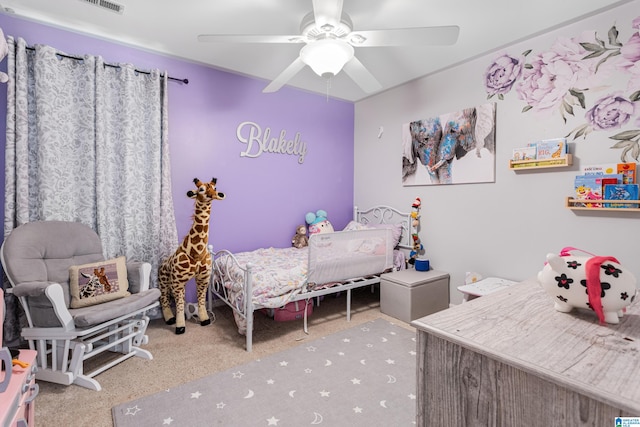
88	142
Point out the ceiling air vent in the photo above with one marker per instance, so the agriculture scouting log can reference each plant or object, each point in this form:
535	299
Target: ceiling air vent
109	5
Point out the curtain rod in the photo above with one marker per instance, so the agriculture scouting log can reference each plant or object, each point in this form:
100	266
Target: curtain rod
77	58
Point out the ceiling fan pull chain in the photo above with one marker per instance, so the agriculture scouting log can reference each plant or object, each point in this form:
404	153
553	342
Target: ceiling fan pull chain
328	84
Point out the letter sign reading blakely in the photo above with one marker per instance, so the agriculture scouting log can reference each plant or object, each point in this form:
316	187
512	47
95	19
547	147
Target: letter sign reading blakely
259	142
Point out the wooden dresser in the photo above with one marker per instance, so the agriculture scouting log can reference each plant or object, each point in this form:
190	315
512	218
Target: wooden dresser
16	402
510	359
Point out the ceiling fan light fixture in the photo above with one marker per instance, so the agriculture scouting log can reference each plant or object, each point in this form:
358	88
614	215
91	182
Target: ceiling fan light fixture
326	57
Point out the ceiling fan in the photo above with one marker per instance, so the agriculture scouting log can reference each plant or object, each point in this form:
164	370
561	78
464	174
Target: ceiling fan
329	40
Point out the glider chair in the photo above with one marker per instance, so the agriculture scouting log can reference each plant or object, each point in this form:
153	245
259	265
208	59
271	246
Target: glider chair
78	305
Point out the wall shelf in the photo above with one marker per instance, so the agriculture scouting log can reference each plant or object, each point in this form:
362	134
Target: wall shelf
560	162
574	204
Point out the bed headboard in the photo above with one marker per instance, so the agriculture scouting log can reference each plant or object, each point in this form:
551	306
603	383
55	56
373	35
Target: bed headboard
387	215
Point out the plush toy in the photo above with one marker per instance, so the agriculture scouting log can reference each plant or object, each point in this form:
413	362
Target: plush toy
4	50
192	259
415	223
300	239
596	282
318	222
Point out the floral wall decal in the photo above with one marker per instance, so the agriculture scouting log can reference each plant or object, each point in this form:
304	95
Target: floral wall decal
588	78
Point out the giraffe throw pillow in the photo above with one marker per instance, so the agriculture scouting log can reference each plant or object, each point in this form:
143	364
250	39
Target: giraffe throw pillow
98	282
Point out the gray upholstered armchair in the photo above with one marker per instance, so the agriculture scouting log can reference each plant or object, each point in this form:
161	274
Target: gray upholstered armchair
78	305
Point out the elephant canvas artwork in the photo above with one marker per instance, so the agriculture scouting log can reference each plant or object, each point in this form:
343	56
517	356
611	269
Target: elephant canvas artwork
452	148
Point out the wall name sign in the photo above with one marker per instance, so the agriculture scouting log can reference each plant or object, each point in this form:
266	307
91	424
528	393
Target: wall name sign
259	142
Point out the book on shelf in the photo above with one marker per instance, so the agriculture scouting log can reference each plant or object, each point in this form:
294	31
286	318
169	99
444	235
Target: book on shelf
550	148
620	192
608	181
600	169
628	170
591	188
588	188
524	153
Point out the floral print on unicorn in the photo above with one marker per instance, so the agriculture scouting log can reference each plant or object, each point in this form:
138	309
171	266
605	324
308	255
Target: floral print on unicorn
318	222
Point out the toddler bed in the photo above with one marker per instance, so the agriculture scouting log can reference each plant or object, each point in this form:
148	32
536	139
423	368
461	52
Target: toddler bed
333	262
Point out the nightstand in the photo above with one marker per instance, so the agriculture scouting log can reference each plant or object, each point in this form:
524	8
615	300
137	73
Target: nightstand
409	294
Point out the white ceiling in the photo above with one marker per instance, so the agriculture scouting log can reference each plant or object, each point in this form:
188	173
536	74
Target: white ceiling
172	27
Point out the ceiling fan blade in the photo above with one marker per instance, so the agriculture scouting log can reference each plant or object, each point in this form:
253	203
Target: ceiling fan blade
284	76
421	36
327	12
361	76
249	38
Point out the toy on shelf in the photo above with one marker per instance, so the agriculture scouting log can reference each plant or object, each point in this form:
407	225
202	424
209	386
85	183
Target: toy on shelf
415	225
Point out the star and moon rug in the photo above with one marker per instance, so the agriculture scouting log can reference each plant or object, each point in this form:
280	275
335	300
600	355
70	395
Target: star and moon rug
362	376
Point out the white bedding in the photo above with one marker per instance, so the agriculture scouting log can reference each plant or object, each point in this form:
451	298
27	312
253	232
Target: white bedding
279	275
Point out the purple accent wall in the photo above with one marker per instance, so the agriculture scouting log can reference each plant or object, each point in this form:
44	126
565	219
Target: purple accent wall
267	196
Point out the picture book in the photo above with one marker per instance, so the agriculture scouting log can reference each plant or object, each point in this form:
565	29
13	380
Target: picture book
524	153
609	181
621	192
611	178
589	189
628	171
600	169
551	148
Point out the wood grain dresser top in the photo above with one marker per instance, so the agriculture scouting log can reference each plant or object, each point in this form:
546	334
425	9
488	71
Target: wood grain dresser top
519	326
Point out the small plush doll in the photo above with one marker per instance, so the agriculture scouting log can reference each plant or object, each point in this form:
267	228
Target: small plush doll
300	239
318	222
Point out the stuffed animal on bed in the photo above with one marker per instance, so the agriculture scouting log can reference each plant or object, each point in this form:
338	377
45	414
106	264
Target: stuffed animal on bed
318	222
300	239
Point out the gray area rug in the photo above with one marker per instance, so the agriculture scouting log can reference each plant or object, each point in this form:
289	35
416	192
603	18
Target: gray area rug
362	376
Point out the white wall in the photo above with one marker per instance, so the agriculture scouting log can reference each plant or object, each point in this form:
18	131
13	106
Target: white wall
504	228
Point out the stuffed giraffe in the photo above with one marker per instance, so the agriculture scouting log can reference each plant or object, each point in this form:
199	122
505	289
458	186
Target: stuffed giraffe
191	259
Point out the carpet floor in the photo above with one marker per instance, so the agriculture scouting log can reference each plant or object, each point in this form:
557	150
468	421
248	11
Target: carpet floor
200	352
362	376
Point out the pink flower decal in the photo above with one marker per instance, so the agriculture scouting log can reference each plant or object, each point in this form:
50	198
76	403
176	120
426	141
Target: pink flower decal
553	75
610	112
501	75
567	77
631	49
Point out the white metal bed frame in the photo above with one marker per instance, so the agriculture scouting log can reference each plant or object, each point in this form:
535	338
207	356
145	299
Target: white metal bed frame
376	215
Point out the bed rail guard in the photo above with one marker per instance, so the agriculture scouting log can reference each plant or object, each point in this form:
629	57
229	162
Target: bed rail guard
334	257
